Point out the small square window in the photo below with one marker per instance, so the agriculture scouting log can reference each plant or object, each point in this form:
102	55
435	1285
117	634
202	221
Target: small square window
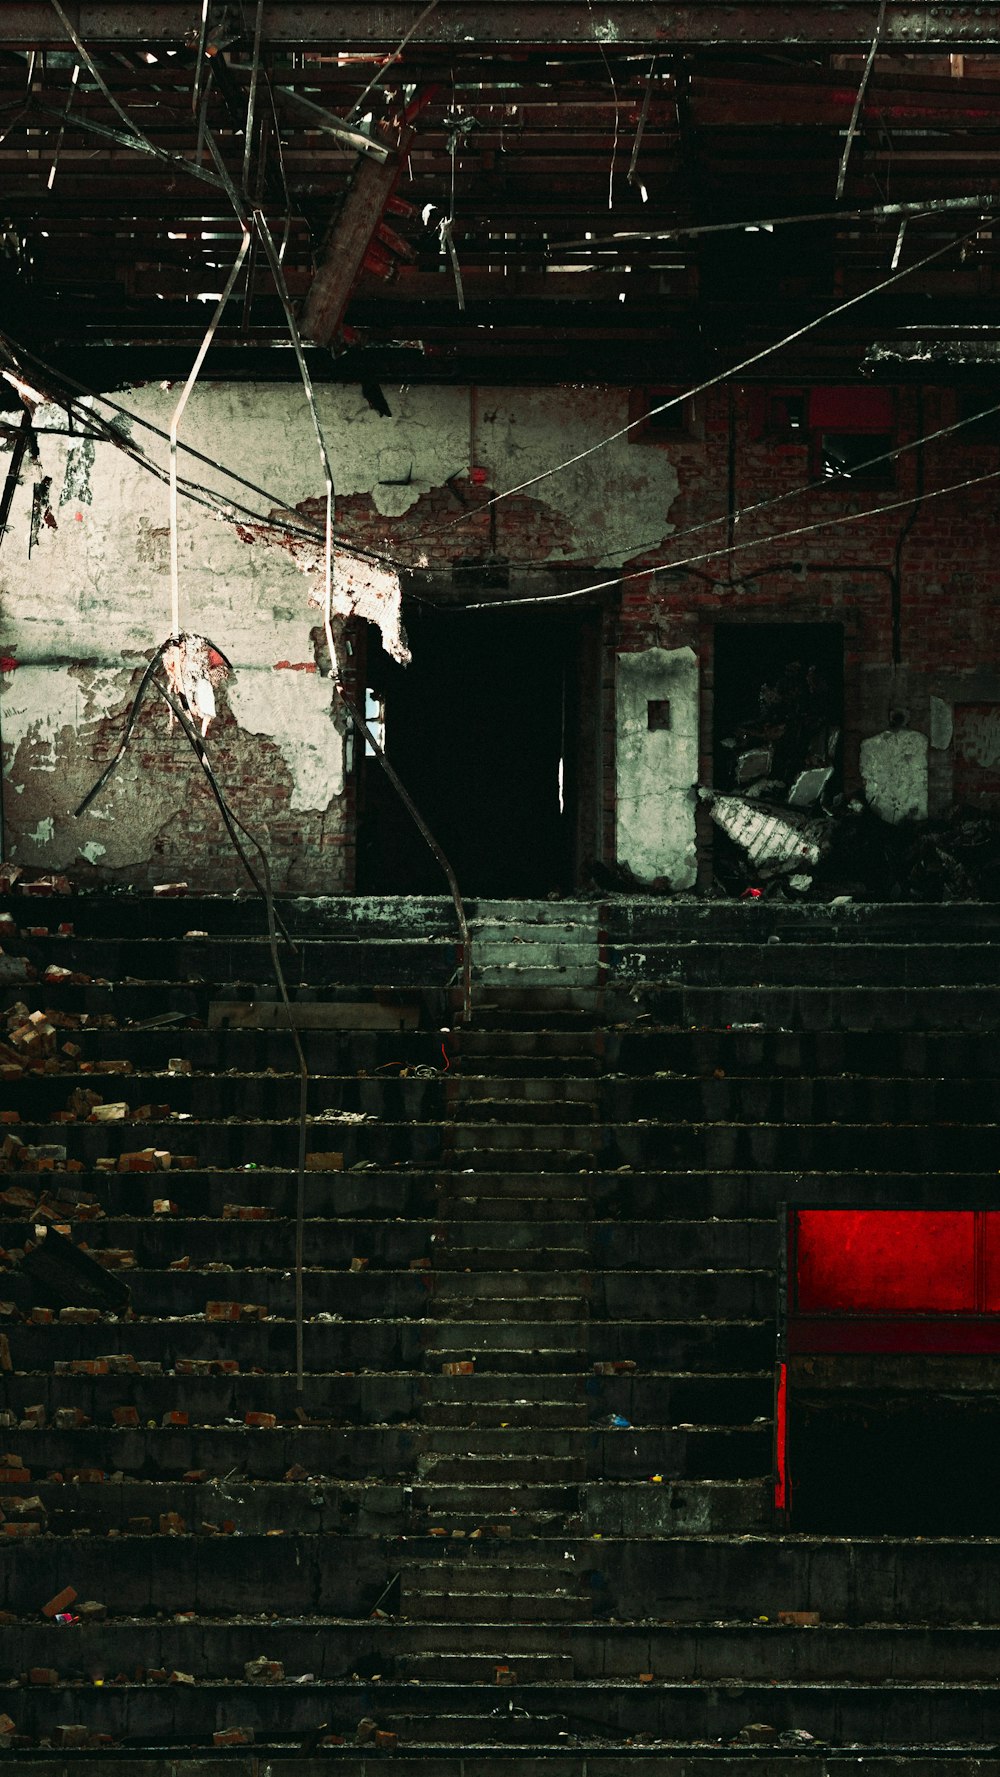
786	416
678	419
658	713
860	458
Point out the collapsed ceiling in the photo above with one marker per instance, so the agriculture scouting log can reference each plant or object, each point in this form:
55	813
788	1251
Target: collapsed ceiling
525	191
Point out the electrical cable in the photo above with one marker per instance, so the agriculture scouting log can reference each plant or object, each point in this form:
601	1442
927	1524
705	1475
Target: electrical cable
808	487
711	382
354	713
145	683
897	567
387	64
821	524
267	892
202	496
175	420
860	99
252	97
193	490
234	826
911	208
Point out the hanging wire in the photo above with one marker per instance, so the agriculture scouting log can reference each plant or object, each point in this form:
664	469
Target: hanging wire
140	139
355	714
860	99
802	530
377	79
712	382
252	96
175	420
914	208
62	127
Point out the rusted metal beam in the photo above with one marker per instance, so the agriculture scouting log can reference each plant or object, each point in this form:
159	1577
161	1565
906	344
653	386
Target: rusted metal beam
465	24
353	238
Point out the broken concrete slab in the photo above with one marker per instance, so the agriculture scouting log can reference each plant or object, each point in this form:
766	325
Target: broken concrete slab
894	772
809	786
776	842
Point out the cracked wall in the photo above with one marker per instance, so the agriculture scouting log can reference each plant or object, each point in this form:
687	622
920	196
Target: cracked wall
84	600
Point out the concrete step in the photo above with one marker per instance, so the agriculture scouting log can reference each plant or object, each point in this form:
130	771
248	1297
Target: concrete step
777	961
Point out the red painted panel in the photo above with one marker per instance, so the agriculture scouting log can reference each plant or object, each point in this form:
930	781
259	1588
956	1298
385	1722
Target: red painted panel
851	410
857	1261
990	1262
781	1489
967	1336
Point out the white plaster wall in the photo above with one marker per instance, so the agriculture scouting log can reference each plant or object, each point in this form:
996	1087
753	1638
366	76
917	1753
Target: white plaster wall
82	610
657	769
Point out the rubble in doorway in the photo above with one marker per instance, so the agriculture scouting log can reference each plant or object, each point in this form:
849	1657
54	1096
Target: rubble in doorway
775	841
848	851
775	770
784	752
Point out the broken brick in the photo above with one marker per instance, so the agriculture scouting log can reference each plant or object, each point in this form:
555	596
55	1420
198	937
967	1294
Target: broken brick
263	1671
92	1611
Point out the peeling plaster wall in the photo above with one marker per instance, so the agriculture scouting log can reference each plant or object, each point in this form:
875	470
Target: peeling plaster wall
85	606
657	769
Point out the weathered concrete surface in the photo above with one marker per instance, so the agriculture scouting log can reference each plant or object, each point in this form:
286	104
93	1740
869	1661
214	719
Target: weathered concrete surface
86	605
894	772
942	723
657	768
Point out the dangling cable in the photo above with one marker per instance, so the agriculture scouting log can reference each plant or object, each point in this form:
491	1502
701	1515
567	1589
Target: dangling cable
175	419
183	717
354	713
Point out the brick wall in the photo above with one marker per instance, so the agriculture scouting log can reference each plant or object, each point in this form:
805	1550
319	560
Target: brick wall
923	632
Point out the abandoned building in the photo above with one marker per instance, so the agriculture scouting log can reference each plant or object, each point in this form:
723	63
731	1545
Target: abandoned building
500	1248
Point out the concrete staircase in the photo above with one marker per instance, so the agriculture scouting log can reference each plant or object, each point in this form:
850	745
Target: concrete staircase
520	1514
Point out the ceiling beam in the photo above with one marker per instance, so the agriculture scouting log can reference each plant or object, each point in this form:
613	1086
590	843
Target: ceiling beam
468	25
352	235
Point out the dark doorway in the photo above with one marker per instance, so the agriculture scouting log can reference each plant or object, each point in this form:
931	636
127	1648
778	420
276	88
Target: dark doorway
778	709
482	727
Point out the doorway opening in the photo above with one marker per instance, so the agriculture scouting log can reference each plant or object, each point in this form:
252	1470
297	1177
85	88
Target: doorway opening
778	708
484	728
777	716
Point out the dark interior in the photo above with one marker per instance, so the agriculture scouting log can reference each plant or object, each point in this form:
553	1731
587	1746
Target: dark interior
476	727
890	1464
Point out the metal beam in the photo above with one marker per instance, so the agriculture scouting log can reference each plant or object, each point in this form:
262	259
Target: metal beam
353	233
470	24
